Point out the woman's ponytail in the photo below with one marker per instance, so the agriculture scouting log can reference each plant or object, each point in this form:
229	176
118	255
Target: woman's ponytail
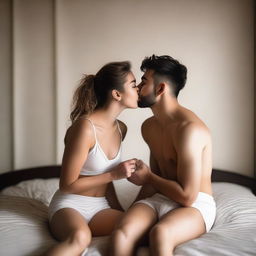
94	91
84	99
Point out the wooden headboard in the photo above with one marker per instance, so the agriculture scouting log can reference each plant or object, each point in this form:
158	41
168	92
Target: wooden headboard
231	177
16	176
46	172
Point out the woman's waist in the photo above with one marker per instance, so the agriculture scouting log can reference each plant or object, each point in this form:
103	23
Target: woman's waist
97	191
93	193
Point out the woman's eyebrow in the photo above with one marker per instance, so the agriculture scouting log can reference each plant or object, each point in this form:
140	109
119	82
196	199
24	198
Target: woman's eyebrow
133	81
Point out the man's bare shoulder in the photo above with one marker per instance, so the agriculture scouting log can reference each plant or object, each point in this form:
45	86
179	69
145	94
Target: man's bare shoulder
149	122
193	131
123	128
147	127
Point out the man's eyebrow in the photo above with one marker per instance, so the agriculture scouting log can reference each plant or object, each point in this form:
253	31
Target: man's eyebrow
143	78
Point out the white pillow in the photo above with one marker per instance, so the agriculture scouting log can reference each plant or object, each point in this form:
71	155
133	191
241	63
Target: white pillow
234	202
39	189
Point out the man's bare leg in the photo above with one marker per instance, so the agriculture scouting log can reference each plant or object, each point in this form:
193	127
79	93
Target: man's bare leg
135	223
176	227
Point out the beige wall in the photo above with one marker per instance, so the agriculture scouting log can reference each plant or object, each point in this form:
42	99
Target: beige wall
56	42
6	154
254	89
33	85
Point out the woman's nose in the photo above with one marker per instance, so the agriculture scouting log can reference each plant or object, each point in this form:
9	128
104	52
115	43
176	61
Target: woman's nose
138	89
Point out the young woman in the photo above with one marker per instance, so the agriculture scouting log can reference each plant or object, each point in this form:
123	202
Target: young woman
92	159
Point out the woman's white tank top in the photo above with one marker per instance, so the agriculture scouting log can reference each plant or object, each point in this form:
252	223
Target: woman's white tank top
97	161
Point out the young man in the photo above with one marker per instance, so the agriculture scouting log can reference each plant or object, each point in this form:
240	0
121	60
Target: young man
178	205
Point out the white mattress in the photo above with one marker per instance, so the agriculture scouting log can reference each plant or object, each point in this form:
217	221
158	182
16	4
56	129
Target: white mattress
24	227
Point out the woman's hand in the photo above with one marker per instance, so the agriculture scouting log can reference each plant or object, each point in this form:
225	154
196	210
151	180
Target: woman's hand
124	169
141	175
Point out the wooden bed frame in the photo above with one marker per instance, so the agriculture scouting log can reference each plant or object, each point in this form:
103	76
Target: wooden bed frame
46	172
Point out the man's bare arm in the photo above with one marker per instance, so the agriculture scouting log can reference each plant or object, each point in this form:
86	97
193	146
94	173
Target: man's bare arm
189	167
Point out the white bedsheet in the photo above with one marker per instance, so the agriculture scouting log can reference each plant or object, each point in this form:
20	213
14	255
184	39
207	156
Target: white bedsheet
24	228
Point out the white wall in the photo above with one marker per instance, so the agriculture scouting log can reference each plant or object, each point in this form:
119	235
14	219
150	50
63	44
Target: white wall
33	85
214	39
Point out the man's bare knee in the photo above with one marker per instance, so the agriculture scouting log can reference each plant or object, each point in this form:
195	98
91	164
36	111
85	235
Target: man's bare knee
123	242
160	232
80	237
122	233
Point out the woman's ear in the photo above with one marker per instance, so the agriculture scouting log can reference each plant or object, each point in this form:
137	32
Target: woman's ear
116	95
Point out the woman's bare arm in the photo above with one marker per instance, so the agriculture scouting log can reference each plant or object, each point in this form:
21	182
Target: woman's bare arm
78	143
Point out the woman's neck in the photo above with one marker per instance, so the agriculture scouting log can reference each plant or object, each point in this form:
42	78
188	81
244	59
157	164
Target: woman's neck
106	116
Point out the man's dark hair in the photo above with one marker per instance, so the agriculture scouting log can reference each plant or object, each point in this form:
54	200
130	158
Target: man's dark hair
168	68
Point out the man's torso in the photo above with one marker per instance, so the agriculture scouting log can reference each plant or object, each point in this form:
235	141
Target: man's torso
163	142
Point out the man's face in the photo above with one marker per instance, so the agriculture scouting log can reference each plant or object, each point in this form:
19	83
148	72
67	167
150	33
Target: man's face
147	97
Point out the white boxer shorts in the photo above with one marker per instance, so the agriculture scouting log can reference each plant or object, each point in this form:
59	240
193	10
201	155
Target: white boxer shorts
204	203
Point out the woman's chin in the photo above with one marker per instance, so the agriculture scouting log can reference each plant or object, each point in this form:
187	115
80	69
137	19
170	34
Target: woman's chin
134	106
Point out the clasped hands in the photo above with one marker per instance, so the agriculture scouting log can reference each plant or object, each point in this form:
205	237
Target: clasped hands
140	174
134	170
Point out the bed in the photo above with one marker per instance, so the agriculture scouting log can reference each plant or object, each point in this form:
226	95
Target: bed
25	196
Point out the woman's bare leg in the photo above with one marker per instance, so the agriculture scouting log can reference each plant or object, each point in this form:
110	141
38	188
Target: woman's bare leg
176	227
135	223
104	222
70	228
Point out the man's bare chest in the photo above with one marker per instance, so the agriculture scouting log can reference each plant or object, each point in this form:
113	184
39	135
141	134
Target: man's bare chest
164	153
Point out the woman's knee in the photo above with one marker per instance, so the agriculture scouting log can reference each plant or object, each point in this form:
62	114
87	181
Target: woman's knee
80	237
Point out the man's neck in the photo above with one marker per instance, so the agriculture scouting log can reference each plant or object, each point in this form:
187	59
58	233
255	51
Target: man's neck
166	109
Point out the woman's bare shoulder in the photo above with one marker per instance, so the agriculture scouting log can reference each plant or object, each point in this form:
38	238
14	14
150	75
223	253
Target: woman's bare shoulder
81	129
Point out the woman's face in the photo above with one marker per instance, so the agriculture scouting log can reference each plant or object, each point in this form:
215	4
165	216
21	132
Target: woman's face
130	94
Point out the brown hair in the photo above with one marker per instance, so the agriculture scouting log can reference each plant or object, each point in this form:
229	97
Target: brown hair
93	90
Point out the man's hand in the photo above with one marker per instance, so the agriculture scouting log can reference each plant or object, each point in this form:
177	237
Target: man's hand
141	174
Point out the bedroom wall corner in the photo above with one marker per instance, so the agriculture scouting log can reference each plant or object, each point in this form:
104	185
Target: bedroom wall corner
254	89
6	127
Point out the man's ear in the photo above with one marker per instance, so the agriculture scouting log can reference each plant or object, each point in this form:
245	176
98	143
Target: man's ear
116	95
160	89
